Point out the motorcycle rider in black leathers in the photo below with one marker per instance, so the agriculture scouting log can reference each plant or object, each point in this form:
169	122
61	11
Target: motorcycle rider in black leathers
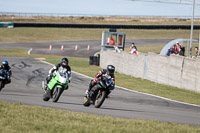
109	71
63	66
6	67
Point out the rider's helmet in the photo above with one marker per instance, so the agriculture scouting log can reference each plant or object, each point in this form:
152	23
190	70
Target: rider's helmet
64	62
5	64
110	69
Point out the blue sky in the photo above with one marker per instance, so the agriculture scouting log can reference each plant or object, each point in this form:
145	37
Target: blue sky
98	7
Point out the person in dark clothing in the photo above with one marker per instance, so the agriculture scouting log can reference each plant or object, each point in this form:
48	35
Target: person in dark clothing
109	71
170	51
7	68
62	66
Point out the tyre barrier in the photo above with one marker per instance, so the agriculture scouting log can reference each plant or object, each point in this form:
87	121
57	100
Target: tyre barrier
94	60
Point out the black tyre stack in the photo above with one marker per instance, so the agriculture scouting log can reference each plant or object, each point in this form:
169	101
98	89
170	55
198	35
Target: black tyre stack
94	60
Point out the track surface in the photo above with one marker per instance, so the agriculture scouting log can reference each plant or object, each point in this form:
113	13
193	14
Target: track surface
69	46
25	88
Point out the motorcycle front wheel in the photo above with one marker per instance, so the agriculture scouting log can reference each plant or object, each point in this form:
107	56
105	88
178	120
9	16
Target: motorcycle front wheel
56	94
1	85
100	97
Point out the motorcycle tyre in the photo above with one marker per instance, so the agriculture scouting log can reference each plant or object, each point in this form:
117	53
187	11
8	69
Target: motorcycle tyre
103	97
59	92
1	85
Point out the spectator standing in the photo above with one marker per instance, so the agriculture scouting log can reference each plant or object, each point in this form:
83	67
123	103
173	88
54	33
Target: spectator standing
112	41
133	46
197	51
197	54
176	48
133	49
181	49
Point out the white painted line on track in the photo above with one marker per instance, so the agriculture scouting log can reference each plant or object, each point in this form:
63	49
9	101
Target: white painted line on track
29	52
46	62
133	90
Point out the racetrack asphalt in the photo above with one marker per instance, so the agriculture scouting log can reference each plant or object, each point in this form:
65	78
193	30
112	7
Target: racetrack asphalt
69	46
28	74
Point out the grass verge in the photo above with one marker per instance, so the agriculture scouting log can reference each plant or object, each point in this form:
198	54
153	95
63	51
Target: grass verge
16	118
81	65
68	34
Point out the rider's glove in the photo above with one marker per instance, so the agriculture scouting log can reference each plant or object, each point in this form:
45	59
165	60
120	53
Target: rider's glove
51	75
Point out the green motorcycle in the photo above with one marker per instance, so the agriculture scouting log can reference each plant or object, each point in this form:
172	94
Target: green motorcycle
56	85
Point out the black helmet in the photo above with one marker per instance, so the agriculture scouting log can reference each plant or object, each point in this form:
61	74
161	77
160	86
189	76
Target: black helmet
110	69
5	63
64	62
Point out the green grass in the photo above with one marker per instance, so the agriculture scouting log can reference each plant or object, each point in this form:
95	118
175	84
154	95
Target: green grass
81	65
48	34
68	34
60	34
158	34
17	118
147	48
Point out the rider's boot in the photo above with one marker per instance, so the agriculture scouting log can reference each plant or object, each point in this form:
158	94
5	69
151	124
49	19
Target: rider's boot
87	92
108	94
48	92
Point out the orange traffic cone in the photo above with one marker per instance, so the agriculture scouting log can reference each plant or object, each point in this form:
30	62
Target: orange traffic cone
76	48
62	48
88	48
50	47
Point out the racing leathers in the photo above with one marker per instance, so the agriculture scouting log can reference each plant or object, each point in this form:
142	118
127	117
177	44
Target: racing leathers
98	77
59	67
9	72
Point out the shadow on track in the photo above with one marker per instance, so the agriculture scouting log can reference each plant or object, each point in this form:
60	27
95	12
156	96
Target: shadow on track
70	103
127	110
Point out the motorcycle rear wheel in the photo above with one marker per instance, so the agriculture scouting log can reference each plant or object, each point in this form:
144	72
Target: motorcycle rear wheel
100	97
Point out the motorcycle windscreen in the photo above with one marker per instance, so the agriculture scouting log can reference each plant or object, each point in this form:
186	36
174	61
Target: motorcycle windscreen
3	74
63	78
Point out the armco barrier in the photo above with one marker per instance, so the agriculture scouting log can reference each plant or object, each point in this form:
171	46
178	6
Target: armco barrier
52	25
177	71
94	60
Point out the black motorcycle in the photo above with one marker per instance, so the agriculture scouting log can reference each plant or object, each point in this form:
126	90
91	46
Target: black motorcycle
99	92
3	78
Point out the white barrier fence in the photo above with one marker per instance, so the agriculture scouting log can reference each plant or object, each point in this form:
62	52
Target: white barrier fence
177	71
